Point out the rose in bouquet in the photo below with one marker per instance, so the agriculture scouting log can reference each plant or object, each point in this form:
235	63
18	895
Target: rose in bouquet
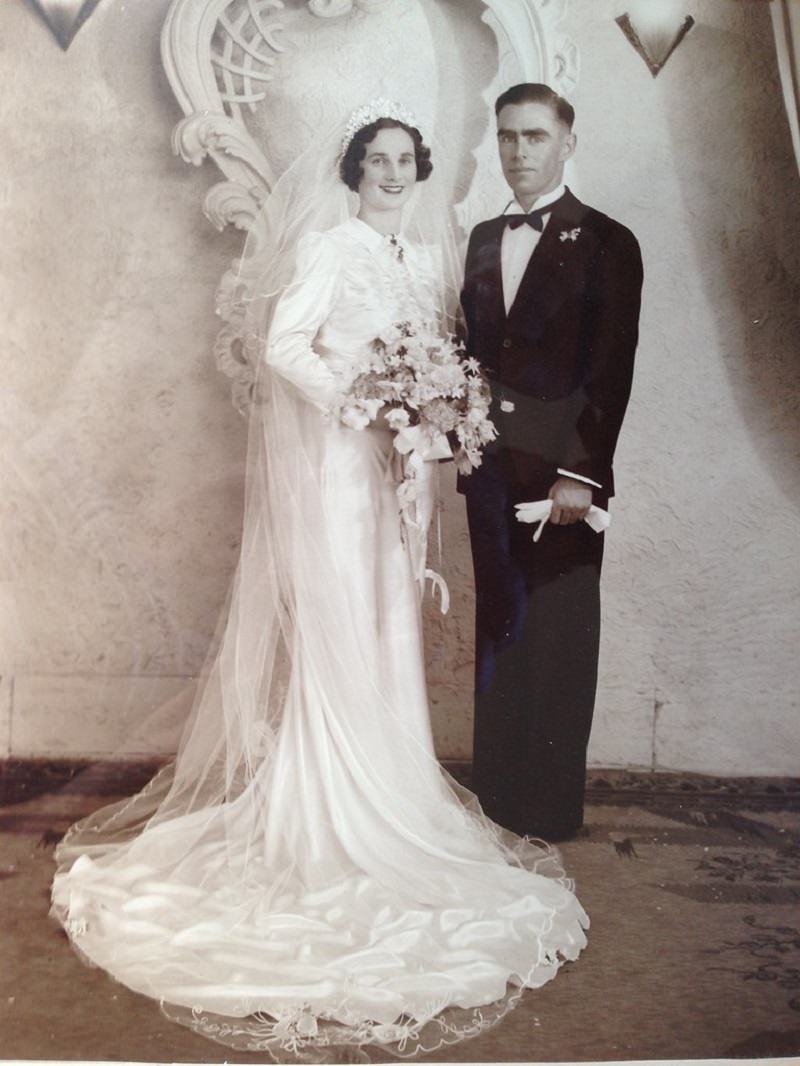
429	392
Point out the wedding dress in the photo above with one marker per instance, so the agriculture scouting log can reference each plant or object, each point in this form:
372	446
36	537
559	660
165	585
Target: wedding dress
305	874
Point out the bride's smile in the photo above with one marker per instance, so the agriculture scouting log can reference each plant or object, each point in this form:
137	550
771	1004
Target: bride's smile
389	174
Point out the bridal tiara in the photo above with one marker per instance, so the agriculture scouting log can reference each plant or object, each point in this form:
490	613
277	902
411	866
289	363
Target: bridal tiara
371	112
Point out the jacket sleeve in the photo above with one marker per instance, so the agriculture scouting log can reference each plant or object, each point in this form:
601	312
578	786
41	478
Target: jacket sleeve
301	309
610	337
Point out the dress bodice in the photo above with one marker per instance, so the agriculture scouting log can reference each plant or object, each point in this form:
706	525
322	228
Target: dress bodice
350	283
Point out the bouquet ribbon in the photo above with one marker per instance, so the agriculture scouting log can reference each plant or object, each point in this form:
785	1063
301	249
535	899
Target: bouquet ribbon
539	511
417	453
412	439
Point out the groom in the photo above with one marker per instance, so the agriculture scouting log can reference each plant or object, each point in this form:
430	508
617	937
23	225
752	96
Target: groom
551	298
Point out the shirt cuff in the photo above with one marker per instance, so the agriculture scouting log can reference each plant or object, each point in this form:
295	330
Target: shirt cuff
579	477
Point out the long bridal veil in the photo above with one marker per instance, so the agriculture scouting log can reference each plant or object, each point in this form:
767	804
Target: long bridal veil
303	874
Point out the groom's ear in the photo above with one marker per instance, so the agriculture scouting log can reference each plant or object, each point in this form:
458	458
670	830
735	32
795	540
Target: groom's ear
568	146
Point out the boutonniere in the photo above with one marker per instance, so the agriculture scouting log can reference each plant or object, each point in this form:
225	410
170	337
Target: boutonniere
569	234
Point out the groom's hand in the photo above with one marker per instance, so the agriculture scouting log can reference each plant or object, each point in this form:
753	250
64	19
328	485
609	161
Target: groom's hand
571	501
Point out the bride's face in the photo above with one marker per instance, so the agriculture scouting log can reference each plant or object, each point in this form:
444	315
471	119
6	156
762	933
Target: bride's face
390	170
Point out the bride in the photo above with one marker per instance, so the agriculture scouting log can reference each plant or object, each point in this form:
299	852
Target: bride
305	874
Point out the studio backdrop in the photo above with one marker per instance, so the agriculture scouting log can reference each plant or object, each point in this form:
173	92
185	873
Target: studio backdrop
134	164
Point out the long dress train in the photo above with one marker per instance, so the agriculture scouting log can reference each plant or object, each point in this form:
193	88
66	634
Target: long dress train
305	874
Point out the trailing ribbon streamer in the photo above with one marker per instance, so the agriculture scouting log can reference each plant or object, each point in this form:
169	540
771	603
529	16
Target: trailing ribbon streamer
419	454
539	511
438	582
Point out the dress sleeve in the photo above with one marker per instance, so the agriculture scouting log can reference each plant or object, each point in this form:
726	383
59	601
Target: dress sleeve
302	308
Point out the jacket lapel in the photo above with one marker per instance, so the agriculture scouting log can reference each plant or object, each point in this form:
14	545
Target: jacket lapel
487	271
559	247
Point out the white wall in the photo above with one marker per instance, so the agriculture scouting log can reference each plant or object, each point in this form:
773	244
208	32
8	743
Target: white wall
699	667
122	458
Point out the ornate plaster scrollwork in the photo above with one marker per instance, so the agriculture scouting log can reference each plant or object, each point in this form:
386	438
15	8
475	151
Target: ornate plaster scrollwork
205	134
229	203
220	55
542	51
335	8
531	47
330	9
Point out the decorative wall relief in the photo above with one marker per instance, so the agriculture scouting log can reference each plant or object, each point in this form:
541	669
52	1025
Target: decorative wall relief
257	80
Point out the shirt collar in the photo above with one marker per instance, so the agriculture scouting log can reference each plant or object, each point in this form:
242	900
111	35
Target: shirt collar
515	208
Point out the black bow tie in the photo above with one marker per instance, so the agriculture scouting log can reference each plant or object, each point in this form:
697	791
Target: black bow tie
535	219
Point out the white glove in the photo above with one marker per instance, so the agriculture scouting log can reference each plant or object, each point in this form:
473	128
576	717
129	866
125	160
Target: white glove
539	511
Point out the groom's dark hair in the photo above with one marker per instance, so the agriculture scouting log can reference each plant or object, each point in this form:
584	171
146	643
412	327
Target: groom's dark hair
534	92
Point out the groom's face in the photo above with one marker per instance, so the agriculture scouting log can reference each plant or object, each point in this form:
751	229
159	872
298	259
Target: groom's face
534	144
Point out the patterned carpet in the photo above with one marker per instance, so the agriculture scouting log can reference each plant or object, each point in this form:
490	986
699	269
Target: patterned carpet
692	885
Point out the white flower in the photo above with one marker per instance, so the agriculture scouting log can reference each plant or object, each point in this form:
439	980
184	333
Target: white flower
390	335
354	417
569	234
507	406
448	378
441	414
398	418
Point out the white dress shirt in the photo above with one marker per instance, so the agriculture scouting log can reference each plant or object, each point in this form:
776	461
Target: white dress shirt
517	245
516	248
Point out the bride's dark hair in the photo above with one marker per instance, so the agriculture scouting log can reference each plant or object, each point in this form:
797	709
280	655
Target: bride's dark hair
350	166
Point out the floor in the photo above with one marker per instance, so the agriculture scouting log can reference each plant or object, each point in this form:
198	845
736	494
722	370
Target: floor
692	885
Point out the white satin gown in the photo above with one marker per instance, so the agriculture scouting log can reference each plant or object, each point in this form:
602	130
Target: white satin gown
306	875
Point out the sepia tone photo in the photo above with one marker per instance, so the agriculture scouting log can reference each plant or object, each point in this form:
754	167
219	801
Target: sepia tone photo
399	500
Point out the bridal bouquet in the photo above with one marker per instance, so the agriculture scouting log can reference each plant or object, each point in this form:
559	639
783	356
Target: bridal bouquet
431	395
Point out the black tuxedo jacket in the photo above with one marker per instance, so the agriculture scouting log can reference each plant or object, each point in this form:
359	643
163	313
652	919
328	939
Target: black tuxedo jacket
563	356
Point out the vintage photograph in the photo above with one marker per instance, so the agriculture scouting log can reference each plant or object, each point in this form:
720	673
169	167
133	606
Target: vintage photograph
400	469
